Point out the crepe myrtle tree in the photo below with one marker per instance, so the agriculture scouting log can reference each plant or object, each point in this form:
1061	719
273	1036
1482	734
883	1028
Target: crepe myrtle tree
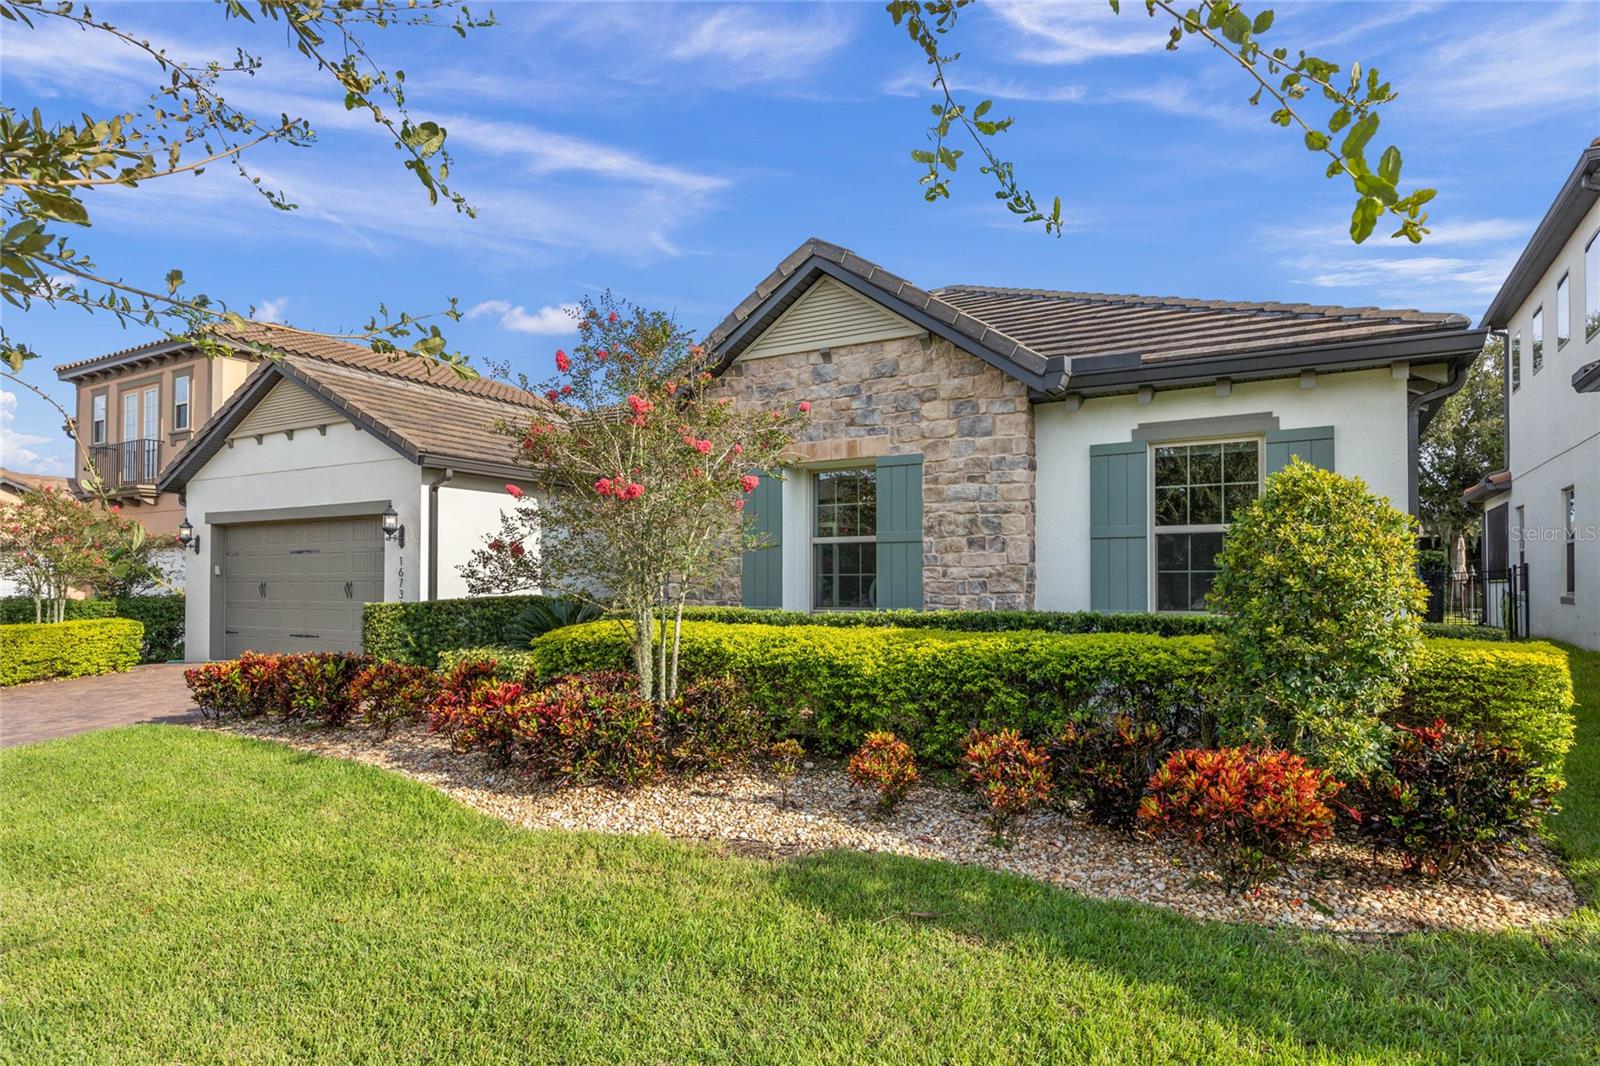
51	542
644	479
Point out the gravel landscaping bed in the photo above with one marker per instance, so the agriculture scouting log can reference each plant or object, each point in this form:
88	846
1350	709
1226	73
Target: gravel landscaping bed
1336	889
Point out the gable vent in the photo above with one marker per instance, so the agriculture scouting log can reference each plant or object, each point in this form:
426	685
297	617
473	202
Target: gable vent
287	407
829	315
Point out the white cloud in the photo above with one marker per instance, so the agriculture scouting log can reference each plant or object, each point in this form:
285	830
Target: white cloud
547	320
270	310
16	452
1443	233
762	46
1000	89
1437	282
1536	60
1077	32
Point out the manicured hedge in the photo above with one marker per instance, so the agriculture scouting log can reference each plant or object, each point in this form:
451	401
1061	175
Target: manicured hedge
417	632
162	616
1167	625
18	610
834	685
1519	692
35	652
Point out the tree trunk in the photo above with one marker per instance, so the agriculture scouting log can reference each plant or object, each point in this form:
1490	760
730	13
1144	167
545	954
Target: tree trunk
642	647
677	640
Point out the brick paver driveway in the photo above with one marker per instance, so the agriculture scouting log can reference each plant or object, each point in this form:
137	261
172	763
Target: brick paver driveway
48	709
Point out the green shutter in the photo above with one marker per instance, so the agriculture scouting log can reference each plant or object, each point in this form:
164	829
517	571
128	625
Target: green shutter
1119	557
1313	444
761	577
900	531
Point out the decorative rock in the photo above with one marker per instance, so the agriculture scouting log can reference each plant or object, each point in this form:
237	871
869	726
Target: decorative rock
1336	889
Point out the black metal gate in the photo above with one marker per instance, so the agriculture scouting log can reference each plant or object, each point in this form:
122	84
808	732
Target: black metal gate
1497	598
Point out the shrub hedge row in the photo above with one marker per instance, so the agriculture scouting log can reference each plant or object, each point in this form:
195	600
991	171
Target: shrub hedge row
833	685
38	651
417	632
162	616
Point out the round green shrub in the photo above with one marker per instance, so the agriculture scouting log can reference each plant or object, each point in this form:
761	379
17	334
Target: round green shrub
1319	590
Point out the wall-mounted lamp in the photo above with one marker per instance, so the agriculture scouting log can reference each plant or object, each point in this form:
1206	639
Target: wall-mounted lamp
188	537
392	529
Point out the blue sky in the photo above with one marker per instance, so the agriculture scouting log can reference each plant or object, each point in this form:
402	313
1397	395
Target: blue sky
674	153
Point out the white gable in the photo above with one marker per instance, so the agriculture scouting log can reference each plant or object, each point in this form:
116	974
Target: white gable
287	406
829	315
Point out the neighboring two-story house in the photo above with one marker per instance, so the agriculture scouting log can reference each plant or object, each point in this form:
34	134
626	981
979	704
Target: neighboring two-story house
1543	510
136	410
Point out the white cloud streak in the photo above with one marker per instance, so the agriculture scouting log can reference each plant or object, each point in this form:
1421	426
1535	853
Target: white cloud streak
1078	32
16	448
547	321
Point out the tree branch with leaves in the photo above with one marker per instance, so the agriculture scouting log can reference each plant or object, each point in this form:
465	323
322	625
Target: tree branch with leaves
187	125
1288	82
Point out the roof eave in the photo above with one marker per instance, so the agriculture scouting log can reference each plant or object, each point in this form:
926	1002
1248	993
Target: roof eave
1571	203
1455	345
155	350
1004	353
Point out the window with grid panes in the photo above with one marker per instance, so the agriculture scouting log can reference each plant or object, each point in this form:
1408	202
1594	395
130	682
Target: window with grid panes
1198	490
844	548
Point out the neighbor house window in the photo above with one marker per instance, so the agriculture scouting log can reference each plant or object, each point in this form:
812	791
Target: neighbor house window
1591	286
1563	312
97	420
1569	508
152	413
1199	489
844	548
1516	360
1537	338
180	403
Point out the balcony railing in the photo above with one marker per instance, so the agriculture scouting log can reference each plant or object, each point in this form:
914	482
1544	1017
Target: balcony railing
128	463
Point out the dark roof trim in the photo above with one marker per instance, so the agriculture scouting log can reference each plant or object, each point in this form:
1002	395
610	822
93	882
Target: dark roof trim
85	367
1491	485
1577	193
816	258
214	435
510	471
1587	378
1123	371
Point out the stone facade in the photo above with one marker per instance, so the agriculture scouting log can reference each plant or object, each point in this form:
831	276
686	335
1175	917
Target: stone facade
973	426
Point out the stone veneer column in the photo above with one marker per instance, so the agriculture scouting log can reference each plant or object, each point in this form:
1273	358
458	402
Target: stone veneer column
973	426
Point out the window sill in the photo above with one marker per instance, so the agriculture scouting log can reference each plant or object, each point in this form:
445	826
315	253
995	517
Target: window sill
1570	601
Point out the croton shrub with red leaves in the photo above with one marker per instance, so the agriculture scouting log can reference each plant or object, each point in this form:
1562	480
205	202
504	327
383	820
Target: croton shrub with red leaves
1105	765
1251	809
591	729
389	693
1011	775
1444	798
885	763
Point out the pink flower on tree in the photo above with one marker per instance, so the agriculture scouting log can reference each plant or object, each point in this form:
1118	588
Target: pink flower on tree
738	505
631	491
612	318
551	395
518	550
805	407
738	449
600	354
749	482
639	404
516	493
603	486
563	363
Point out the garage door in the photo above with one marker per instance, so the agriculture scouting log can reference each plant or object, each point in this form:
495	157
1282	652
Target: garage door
299	586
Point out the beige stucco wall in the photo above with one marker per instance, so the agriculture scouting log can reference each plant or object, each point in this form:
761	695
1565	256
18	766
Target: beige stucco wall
212	382
971	424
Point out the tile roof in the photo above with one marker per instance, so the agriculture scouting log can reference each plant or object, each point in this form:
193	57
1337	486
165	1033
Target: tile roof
1158	328
31	482
1036	334
423	411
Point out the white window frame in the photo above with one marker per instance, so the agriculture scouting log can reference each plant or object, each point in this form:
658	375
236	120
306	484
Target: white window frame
99	404
1569	544
1536	338
1515	361
1591	286
1153	592
1563	311
150	423
182	390
131	402
813	540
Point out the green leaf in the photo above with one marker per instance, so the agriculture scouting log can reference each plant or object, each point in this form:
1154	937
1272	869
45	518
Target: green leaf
1368	210
1263	22
174	281
1355	142
1389	165
1316	140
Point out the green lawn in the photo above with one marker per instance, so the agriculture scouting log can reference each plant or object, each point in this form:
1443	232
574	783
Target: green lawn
173	895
